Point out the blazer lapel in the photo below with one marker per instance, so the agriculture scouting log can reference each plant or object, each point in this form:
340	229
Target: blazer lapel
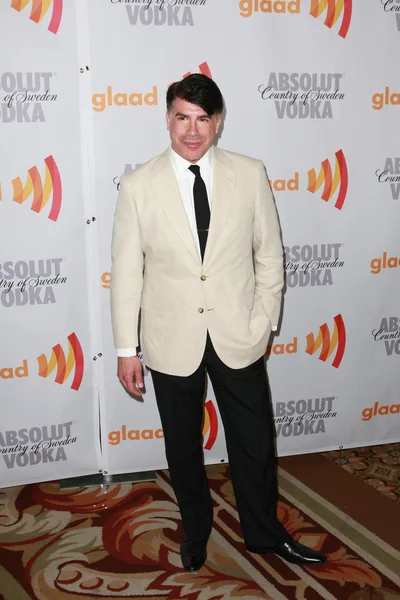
223	188
166	187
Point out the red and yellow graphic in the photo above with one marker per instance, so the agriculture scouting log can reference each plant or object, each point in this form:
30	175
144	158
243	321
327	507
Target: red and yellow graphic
41	191
334	9
204	69
328	343
331	181
64	365
39	9
210	425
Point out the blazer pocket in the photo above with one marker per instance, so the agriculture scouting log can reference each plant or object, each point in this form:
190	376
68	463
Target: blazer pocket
248	300
156	305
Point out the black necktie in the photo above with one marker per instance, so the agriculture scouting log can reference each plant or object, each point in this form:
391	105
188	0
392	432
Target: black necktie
201	207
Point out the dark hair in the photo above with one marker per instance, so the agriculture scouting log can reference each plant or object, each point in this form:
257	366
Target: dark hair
197	89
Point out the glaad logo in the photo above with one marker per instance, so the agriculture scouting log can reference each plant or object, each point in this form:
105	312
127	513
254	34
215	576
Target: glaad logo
64	365
101	101
161	12
286	185
334	9
25	96
279	348
338	341
39	9
337	181
36	445
248	7
311	265
392	6
303	417
303	95
391	174
377	264
41	190
389	333
19	372
380	100
329	343
30	282
385	409
116	437
210	425
331	180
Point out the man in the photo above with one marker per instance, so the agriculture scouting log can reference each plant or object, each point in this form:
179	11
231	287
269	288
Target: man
197	250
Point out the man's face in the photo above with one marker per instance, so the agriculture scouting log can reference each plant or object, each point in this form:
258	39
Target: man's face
191	130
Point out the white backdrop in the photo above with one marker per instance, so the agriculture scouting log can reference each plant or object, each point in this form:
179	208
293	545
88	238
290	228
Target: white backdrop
308	93
49	424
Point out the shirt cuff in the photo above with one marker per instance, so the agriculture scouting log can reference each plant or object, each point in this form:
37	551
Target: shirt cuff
126	352
274	328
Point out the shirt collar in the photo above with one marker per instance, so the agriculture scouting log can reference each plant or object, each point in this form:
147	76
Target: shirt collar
181	164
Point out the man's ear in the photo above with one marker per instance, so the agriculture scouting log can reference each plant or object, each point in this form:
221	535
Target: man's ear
218	123
168	119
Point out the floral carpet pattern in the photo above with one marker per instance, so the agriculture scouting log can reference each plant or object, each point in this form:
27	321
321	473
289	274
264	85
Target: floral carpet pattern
122	541
378	466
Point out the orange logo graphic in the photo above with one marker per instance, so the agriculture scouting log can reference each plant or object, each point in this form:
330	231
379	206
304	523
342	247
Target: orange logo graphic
376	410
286	185
111	98
115	437
10	372
64	366
290	348
248	7
328	343
204	69
386	98
334	9
41	191
331	181
39	9
210	424
391	262
106	280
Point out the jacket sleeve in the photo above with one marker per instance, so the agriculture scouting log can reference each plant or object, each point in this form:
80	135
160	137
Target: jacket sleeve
126	270
268	251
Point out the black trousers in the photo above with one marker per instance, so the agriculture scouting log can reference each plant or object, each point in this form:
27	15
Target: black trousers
243	401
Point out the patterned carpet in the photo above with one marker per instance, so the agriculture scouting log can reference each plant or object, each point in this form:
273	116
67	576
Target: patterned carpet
379	466
122	541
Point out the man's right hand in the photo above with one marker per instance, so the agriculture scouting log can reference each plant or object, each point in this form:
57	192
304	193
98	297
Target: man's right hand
130	374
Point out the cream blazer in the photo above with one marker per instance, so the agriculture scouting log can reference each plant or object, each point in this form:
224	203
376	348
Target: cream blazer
235	293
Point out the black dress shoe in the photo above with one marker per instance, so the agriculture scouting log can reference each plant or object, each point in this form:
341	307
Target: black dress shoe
193	558
295	553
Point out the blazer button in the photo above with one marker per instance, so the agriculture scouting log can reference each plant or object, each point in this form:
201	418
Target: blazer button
203	277
201	310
